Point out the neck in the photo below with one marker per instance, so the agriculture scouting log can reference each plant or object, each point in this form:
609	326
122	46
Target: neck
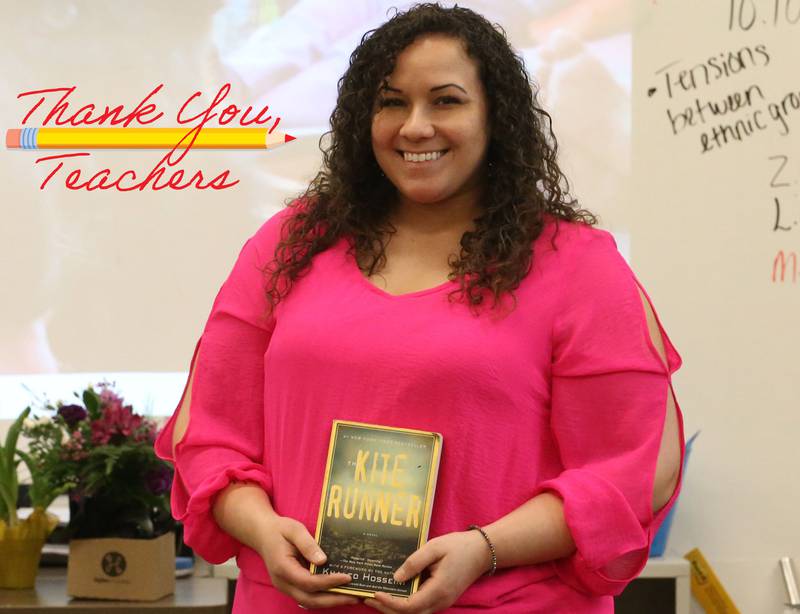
453	216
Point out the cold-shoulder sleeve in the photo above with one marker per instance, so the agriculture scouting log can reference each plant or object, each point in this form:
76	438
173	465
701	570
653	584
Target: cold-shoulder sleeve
609	402
224	438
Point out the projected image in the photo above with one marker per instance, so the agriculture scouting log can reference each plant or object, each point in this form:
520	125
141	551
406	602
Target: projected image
578	52
122	282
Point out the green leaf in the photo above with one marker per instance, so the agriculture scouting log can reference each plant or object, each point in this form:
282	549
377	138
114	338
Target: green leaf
92	402
8	494
8	468
3	510
12	436
39	486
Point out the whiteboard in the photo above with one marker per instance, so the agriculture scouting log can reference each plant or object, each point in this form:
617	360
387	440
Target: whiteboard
715	231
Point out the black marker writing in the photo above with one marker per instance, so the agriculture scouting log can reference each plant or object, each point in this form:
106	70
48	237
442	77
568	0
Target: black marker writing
775	183
722	66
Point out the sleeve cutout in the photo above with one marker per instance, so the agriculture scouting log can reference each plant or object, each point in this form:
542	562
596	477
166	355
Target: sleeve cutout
669	455
216	434
661	514
665	350
656	337
184	406
165	445
610	394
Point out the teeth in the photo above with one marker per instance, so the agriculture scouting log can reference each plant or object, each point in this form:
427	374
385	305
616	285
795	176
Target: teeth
422	157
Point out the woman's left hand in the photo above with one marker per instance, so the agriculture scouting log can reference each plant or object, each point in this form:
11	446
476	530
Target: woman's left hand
454	560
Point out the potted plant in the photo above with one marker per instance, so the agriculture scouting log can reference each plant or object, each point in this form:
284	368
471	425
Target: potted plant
120	529
21	541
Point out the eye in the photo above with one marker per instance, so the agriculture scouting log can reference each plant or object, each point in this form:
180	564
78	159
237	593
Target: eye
447	100
389	102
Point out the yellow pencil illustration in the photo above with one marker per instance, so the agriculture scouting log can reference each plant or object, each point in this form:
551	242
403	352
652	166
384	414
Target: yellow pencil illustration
144	138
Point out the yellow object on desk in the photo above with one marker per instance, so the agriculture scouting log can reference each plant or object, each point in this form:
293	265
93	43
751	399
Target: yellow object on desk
707	588
21	548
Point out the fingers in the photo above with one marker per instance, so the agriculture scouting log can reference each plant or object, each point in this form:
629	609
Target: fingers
434	595
390	604
299	536
292	578
309	591
379	606
292	572
322	600
431	597
419	560
295	574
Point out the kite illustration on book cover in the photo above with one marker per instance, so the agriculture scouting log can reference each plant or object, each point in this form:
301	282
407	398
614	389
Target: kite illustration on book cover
376	504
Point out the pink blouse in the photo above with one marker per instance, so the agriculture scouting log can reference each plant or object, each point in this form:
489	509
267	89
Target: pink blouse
564	393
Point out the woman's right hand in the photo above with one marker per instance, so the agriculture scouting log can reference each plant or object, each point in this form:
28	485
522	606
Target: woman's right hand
285	552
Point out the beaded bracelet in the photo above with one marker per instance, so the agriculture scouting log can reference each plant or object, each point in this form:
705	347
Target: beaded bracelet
491	547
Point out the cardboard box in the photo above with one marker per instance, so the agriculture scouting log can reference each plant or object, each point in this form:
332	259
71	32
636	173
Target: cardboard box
127	569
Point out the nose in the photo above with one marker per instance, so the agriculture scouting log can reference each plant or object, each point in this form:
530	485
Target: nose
417	125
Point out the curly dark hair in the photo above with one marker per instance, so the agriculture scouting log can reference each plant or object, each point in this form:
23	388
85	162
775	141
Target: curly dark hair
351	197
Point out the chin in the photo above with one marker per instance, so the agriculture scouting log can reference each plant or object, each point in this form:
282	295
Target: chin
423	200
424	196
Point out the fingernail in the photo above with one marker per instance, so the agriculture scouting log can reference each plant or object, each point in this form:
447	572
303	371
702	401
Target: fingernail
319	556
399	577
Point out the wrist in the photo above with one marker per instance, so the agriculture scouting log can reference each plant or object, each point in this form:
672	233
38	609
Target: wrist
243	510
487	548
266	534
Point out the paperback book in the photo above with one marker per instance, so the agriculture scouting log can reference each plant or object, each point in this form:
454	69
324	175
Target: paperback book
376	504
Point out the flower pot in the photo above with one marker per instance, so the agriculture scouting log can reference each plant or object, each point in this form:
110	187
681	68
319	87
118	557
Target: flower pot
120	568
21	546
20	562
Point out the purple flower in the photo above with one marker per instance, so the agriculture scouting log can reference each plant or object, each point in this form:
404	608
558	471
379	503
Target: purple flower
159	480
72	414
108	397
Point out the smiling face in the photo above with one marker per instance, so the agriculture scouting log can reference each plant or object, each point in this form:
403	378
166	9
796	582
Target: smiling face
429	130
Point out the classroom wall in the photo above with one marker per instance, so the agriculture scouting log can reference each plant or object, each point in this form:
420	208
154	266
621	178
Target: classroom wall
122	283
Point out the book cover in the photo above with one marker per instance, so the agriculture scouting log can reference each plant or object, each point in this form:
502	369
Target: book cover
376	504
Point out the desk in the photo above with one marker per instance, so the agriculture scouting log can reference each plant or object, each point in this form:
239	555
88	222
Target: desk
192	595
660	575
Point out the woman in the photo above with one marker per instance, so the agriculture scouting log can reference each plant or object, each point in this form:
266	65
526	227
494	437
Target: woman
435	276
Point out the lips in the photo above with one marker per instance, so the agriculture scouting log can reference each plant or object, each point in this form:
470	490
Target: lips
422	156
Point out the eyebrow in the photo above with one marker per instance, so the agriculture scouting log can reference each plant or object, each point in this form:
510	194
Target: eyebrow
389	88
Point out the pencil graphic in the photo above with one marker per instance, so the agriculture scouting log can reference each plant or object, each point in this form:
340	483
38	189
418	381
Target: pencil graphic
144	138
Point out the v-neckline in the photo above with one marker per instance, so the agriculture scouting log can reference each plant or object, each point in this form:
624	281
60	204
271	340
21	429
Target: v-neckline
352	265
